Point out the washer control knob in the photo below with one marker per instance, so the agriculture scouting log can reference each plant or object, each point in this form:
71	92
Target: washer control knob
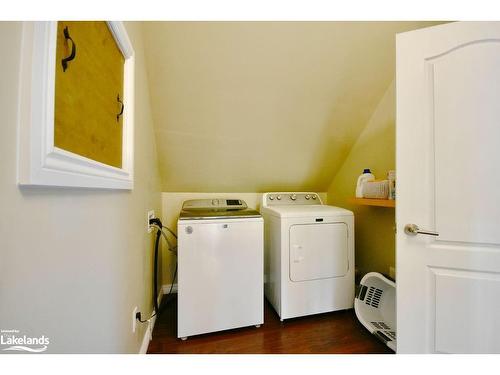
215	202
278	197
271	198
293	197
308	197
314	197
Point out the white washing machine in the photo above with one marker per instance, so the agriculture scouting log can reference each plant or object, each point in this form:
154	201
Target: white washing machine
309	254
220	258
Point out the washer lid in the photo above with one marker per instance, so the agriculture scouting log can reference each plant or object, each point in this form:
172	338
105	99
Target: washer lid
307	211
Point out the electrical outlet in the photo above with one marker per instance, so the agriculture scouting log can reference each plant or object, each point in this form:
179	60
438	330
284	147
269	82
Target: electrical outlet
151	215
134	319
392	272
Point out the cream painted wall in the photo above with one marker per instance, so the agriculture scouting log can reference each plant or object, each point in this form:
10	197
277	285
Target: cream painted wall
172	204
75	262
374	149
278	105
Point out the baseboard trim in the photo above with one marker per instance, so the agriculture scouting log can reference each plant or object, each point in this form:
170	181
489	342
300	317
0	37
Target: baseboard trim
145	340
148	334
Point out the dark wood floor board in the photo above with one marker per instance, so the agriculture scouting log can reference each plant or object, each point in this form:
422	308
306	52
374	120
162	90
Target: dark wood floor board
337	332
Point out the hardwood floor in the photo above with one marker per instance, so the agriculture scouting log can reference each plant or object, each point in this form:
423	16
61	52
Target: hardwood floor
337	332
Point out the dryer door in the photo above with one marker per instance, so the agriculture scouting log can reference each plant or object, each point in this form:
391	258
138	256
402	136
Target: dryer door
318	251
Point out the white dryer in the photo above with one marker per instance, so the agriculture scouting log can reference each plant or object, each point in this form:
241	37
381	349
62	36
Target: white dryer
309	254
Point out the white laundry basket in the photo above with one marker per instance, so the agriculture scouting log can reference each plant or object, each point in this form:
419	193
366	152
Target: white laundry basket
375	307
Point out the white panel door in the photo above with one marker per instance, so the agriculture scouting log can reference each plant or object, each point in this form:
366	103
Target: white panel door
448	163
318	251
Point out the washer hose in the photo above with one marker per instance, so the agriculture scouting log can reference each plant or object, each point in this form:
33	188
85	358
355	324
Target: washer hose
155	273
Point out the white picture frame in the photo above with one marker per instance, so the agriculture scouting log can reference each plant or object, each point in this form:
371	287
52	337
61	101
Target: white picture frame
39	161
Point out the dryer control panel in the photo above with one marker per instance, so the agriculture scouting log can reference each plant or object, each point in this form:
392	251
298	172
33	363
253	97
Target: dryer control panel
290	198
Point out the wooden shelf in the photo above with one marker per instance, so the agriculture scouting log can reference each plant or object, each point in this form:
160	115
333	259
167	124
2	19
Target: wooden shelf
374	202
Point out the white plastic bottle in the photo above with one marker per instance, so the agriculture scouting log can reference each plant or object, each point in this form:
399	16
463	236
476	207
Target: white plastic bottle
366	176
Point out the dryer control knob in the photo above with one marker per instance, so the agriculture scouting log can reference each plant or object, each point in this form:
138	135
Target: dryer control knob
278	197
293	197
314	197
271	198
215	202
308	197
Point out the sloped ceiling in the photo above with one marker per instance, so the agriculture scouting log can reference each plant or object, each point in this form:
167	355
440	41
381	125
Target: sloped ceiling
263	106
